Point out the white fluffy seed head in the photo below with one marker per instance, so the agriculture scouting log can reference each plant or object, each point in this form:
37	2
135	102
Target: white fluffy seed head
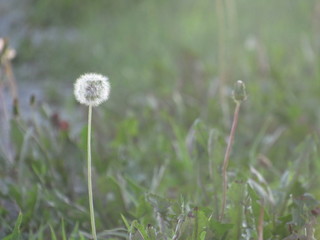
92	89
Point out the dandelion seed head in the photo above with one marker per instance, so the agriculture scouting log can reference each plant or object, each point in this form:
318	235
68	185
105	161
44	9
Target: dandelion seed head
92	89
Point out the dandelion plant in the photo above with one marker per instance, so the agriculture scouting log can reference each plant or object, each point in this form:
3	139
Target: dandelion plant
91	89
239	95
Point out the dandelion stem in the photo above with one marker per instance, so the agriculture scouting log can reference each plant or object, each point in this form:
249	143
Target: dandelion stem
226	158
93	224
12	81
260	223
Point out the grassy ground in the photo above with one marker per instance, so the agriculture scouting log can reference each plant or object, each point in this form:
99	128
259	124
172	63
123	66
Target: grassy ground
160	140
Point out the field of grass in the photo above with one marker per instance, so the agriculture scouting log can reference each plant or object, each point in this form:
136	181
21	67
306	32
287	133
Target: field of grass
159	142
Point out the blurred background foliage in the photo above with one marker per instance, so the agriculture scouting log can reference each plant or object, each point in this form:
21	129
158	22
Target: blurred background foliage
164	129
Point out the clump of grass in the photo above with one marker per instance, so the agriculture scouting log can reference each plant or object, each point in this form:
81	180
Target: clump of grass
91	89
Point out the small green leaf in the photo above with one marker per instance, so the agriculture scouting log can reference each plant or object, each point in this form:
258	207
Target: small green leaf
141	230
15	235
125	222
16	134
53	235
201	222
220	229
63	230
203	235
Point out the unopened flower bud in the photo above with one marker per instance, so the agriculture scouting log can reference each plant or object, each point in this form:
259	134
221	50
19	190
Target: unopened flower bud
32	100
15	107
239	92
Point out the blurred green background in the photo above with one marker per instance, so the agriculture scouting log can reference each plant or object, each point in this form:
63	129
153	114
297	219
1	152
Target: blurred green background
172	66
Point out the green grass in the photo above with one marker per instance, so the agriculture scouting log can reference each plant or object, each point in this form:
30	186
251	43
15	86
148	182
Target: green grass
159	142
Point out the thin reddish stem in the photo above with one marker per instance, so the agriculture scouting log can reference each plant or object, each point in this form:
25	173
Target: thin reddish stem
226	158
260	224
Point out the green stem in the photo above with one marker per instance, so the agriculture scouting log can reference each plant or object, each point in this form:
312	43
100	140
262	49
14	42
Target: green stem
93	224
